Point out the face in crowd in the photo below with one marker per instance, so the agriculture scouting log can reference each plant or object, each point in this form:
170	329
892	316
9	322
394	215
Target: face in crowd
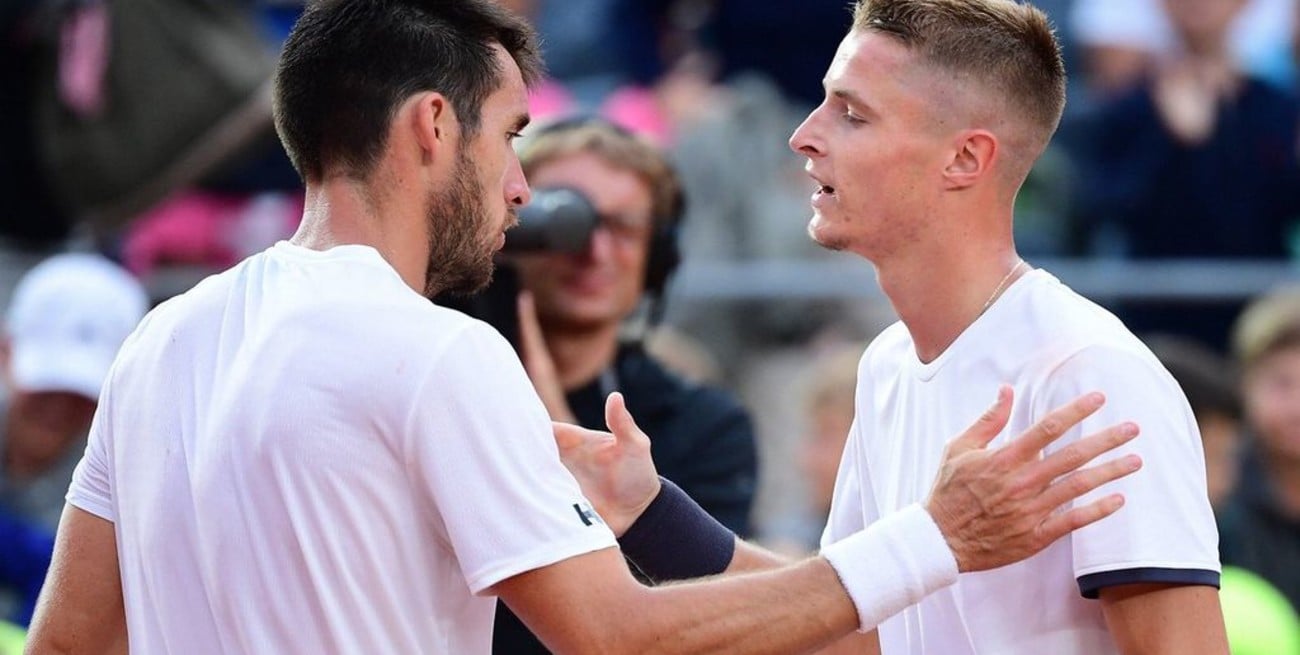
601	285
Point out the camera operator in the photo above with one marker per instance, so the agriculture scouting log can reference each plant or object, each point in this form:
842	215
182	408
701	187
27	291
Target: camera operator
573	314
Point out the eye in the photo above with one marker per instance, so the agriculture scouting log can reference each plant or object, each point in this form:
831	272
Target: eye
853	119
511	136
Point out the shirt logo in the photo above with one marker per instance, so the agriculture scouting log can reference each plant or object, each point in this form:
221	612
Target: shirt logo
587	514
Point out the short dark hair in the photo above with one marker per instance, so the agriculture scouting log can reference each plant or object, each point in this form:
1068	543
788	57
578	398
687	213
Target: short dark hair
349	64
1010	46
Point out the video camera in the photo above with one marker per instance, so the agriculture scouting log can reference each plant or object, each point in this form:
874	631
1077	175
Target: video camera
557	220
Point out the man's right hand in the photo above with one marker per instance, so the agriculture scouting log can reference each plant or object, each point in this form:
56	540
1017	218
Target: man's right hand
996	507
614	469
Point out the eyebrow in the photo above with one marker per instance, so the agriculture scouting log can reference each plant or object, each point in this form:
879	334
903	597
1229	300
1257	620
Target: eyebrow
853	99
522	121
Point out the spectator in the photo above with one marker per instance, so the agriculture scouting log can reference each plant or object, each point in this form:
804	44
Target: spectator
1197	161
1260	525
827	415
68	317
1121	40
700	437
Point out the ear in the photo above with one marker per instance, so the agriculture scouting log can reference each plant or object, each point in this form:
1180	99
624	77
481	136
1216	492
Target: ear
974	155
430	120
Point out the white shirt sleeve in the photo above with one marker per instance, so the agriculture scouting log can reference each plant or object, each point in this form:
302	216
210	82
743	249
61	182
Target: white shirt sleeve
1165	532
483	449
92	487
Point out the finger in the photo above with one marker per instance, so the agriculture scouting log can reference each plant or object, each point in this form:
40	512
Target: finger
530	331
1081	452
988	426
1062	524
1056	423
620	421
1082	482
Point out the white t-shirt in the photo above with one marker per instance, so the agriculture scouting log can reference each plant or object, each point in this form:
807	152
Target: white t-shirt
1051	345
303	455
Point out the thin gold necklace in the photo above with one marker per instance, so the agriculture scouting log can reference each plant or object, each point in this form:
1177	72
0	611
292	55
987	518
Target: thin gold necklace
1001	286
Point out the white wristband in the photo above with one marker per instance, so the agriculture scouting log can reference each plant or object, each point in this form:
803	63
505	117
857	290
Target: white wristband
893	564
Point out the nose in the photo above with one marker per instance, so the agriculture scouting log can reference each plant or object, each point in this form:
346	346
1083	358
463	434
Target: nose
600	246
806	139
517	191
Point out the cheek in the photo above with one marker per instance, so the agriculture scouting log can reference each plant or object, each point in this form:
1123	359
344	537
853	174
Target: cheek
1274	404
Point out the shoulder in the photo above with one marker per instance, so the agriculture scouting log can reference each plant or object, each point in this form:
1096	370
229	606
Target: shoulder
1052	322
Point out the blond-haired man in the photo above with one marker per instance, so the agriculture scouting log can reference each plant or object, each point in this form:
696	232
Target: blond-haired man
935	111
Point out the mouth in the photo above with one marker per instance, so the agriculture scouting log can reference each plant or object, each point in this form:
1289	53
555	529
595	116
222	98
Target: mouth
820	188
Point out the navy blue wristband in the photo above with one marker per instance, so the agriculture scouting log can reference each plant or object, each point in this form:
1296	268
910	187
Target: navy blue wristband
675	539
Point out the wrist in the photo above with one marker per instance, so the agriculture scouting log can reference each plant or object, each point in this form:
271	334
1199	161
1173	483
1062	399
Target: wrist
675	539
892	564
624	522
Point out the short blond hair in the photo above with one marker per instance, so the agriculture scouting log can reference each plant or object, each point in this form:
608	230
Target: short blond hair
1267	326
1009	47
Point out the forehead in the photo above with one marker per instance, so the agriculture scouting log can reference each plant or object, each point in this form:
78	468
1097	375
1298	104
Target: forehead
510	100
866	58
602	181
876	72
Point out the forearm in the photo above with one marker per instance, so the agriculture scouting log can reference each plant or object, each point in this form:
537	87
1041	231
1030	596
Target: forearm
859	581
797	609
750	557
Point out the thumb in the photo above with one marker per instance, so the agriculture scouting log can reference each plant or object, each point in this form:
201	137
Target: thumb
989	425
619	420
571	437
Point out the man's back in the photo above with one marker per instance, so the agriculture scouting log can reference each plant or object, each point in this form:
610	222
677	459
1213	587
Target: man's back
269	436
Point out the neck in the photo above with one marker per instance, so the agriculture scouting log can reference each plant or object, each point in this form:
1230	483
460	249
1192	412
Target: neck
940	293
342	211
581	355
1208	49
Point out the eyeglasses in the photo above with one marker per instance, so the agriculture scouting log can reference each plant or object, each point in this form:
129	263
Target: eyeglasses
626	229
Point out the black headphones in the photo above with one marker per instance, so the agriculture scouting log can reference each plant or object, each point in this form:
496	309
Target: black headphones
664	254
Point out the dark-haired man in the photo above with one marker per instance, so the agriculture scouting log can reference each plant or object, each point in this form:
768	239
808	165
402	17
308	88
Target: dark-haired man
304	455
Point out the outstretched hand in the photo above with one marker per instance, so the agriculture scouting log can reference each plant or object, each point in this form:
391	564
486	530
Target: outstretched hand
996	507
615	469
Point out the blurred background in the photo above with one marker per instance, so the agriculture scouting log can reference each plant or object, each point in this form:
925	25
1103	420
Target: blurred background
141	132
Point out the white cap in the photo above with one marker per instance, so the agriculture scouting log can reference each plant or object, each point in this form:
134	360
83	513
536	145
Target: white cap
68	317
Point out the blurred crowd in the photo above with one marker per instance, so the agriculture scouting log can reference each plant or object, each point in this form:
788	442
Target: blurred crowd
138	137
